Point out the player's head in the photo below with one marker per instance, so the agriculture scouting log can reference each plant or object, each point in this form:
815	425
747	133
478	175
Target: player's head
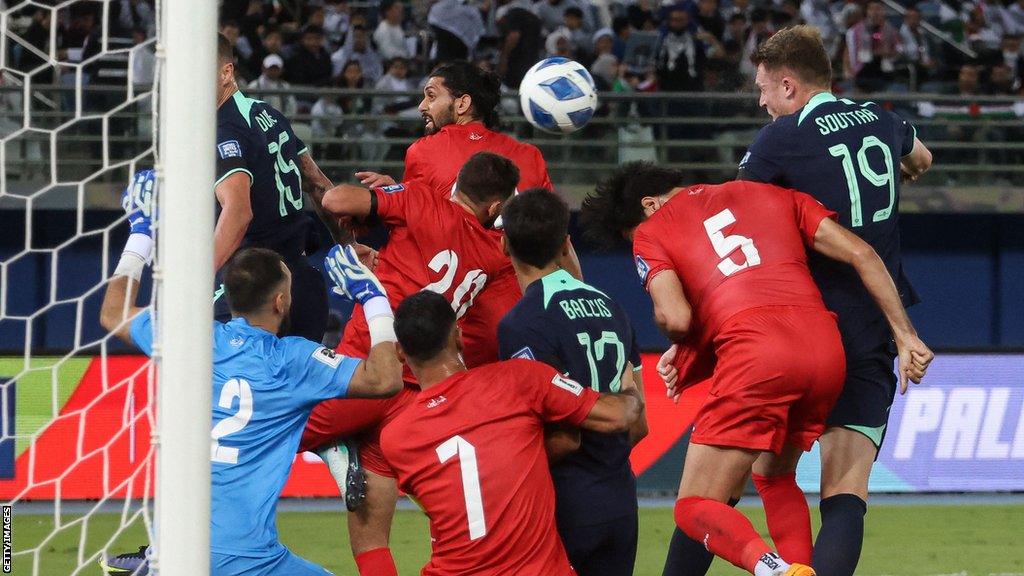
458	93
225	64
792	66
426	329
536	228
486	181
631	195
258	284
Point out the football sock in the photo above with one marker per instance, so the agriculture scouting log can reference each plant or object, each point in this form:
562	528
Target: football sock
376	562
837	549
789	520
686	556
723	530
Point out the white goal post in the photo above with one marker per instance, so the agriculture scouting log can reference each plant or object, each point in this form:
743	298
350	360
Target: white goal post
184	309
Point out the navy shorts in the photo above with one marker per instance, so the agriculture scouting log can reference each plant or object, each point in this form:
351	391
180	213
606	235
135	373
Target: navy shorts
309	302
870	385
605	549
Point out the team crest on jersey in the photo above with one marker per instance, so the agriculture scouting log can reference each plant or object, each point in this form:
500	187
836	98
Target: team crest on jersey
392	188
476	136
642	269
567	384
327	357
230	149
525	353
746	158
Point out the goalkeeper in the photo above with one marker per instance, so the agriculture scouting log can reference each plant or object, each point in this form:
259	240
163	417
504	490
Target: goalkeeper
264	386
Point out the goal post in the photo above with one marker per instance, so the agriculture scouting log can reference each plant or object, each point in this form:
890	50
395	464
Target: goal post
187	52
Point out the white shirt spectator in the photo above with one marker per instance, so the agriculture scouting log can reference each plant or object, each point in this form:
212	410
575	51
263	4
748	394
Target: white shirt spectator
459	18
287	104
390	41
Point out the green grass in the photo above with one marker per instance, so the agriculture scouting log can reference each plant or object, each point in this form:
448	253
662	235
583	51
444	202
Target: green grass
37	399
899	540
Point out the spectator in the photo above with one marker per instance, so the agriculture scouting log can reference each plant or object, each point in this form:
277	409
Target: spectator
336	19
980	33
520	40
270	79
915	46
389	37
1014	18
143	59
640	13
680	60
816	13
760	31
872	45
136	14
552	13
578	36
329	111
243	49
605	68
559	44
457	27
38	36
622	29
1012	56
710	19
311	64
395	79
357	47
270	43
1001	81
738	7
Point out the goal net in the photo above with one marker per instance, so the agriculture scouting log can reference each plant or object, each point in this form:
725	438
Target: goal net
81	101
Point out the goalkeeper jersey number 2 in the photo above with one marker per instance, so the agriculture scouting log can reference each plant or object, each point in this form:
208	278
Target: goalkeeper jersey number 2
263	390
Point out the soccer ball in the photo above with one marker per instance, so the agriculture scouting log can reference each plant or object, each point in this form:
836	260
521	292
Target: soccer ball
558	95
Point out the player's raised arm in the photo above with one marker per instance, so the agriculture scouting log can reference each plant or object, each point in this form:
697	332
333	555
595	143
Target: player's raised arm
316	184
349	200
838	243
119	307
381	374
235	216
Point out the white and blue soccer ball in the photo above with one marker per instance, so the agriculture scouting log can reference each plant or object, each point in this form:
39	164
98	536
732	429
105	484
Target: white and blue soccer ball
558	95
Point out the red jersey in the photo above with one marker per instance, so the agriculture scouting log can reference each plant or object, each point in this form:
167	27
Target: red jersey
734	246
471	451
434	245
435	160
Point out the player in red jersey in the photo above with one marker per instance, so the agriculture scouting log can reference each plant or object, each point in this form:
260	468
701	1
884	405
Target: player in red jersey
470	448
726	268
460	116
438	244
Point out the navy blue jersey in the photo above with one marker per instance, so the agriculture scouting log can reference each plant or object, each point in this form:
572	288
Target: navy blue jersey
847	156
255	139
581	332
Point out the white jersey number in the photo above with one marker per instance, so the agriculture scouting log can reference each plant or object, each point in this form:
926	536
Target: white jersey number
466	291
458	446
725	245
234	388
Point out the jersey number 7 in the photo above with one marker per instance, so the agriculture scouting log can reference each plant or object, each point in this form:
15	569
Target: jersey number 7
458	446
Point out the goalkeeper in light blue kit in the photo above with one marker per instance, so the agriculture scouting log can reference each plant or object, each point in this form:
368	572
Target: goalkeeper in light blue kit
264	387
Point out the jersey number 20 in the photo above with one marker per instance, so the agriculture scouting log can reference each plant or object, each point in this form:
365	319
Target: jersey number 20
234	388
470	286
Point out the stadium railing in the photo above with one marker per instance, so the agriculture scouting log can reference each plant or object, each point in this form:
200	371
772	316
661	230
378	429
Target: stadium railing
977	141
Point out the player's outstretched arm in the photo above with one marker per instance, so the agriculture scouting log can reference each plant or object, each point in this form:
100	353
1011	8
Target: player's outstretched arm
348	200
615	412
380	375
235	215
838	243
916	163
315	184
672	312
119	307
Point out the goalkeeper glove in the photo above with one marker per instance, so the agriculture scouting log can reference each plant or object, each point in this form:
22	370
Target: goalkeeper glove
137	201
352	279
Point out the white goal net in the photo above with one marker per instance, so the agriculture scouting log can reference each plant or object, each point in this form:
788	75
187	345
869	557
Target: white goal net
79	114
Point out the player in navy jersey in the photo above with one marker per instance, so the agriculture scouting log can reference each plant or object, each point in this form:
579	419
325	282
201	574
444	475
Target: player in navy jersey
585	335
264	388
262	170
851	158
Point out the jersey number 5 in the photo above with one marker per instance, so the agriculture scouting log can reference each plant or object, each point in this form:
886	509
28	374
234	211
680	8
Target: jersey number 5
458	446
234	388
725	245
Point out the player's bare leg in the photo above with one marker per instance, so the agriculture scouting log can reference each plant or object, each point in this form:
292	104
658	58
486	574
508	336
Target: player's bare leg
846	460
369	527
710	475
785	506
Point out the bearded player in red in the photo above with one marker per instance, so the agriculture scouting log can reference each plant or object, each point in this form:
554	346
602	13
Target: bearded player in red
439	244
470	448
726	267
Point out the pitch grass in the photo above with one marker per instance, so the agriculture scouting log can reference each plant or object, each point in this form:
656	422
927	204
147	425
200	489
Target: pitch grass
899	540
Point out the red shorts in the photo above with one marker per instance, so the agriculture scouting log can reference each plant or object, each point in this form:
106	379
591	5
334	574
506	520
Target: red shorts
358	418
779	371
